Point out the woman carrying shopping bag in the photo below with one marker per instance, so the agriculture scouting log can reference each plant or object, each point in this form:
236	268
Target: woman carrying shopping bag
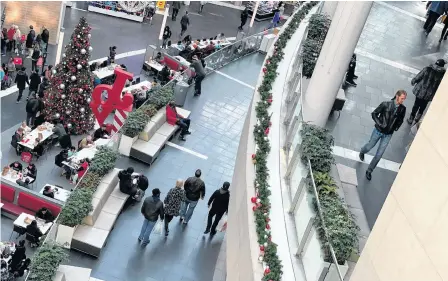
219	202
172	201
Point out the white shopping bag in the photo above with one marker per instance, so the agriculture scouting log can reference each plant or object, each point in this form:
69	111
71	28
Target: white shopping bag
158	227
222	225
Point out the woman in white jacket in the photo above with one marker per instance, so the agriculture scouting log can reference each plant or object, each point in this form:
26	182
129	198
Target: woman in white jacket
18	38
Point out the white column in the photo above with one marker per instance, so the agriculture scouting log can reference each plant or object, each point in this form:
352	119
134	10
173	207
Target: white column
346	27
329	8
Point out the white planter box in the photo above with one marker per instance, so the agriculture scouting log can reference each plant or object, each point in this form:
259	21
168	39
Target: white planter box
126	144
64	235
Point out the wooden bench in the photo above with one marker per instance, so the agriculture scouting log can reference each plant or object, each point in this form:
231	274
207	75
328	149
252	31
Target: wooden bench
108	201
154	137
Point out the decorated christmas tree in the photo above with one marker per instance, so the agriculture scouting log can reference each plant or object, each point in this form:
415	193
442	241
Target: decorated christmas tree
69	94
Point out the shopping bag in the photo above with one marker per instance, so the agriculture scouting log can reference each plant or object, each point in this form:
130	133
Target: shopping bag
40	61
222	225
18	61
158	227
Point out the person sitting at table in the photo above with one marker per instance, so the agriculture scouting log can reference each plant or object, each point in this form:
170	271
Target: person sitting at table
16	138
18	256
58	129
221	37
84	165
23	183
94	66
16	166
159	58
48	191
165	75
38	149
71	151
23	266
180	46
126	184
173	118
187	40
34	230
45	214
58	159
31	172
101	133
85	142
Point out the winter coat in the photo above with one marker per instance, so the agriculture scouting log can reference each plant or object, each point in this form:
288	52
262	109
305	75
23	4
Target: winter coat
172	115
152	208
34	81
29	40
166	34
427	81
21	79
244	15
387	117
36	55
194	188
172	201
176	5
32	106
219	201
45	35
185	21
11	33
126	185
198	68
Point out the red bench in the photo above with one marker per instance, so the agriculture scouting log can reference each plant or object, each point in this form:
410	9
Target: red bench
8	194
33	204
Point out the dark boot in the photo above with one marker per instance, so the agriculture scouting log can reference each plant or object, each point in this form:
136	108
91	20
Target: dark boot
417	118
410	119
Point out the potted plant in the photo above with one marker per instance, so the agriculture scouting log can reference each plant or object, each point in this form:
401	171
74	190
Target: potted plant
77	207
135	123
46	260
103	162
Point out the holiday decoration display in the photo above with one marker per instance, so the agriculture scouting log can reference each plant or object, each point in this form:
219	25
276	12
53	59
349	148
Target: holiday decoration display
71	85
261	204
115	100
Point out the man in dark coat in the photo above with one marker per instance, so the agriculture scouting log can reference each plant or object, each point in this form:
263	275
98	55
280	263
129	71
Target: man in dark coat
194	190
30	41
219	202
184	23
45	37
32	106
126	185
21	80
425	85
34	82
244	16
176	8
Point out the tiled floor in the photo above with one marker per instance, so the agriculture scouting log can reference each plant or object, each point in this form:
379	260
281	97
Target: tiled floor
392	49
217	119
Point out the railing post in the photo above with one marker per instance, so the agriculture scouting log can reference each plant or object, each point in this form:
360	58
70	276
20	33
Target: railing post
297	196
305	241
290	134
290	112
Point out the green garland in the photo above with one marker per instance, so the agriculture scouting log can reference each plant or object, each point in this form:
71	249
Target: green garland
339	221
273	271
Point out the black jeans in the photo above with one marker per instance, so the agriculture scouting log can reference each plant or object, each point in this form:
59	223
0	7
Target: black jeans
184	124
183	29
420	105
217	216
444	33
20	94
430	21
30	90
350	74
30	119
167	220
197	85
33	65
175	12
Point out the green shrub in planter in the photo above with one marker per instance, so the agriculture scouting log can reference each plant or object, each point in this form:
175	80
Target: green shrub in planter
135	123
90	180
161	98
77	207
46	260
149	110
104	161
317	146
318	27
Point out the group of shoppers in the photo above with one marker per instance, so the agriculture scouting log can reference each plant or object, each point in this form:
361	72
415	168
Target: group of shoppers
181	201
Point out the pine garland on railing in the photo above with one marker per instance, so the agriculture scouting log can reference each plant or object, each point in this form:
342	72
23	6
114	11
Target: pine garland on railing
262	205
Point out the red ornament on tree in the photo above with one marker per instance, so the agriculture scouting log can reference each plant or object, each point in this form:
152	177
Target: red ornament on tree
266	132
265	69
253	200
267	271
254	208
262	248
268	226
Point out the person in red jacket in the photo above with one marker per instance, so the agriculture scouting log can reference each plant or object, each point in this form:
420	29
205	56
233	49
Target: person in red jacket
173	118
12	42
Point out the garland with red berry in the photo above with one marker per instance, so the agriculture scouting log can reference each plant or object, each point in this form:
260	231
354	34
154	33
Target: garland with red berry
268	249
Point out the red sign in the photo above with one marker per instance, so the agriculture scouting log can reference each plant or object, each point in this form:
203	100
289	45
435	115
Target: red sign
102	108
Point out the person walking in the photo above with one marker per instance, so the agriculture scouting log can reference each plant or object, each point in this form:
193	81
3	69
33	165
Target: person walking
176	8
388	117
166	36
34	82
425	85
436	9
194	190
152	209
202	4
173	201
198	66
32	106
35	57
351	72
45	35
244	17
11	68
21	80
30	41
219	202
11	44
17	39
184	23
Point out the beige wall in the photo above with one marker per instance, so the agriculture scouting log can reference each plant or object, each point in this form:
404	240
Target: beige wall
36	13
409	240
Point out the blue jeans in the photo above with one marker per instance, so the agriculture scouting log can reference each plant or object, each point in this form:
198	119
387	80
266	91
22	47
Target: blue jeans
183	209
374	138
146	231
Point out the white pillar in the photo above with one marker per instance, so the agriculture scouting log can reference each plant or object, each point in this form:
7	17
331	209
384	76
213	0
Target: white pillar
339	46
329	8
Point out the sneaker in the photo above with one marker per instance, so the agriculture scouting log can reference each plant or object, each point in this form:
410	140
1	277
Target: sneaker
145	244
355	76
188	133
181	219
139	240
410	120
212	233
351	83
185	222
18	101
368	175
361	156
182	138
207	232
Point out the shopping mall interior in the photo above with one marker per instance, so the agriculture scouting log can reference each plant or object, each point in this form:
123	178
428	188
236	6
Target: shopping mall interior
285	101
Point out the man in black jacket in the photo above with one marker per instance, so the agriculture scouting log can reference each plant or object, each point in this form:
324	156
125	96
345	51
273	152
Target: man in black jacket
45	37
388	117
34	82
244	16
30	41
21	81
152	209
220	205
44	214
32	106
184	23
176	8
194	189
126	184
